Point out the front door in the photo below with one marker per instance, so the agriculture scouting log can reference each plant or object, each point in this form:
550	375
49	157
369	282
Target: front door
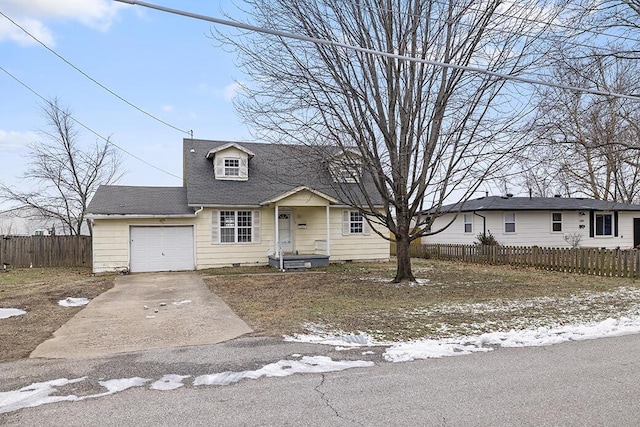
285	233
636	232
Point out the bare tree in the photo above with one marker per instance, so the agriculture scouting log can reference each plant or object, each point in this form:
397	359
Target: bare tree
589	145
425	134
62	176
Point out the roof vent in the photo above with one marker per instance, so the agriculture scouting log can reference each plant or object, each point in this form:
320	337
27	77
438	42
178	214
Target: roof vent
557	196
509	195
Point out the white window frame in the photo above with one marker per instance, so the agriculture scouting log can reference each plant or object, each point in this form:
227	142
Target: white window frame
354	226
468	223
595	224
555	222
235	227
232	171
506	222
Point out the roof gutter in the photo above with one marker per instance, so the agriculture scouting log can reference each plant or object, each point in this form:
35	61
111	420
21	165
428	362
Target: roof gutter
137	216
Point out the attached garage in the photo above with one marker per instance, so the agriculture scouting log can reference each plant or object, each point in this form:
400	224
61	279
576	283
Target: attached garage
161	248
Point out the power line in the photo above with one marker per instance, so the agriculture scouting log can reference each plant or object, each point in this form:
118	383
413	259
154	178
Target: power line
325	42
107	140
92	79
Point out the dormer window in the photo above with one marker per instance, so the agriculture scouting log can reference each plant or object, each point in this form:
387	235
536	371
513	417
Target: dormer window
230	162
232	167
348	173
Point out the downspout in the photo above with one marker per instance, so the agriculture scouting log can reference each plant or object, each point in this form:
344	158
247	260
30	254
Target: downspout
484	223
198	210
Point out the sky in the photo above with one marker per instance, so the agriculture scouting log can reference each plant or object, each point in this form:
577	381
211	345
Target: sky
162	63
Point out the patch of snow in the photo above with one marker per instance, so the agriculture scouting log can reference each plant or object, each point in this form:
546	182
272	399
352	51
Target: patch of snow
117	385
35	394
283	368
532	337
365	353
5	313
178	303
169	382
347	340
150	317
73	302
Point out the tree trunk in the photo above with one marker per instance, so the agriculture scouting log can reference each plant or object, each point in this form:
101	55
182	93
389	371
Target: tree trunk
403	269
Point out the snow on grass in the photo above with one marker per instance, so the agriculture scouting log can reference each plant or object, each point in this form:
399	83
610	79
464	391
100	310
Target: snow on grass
5	313
283	368
73	302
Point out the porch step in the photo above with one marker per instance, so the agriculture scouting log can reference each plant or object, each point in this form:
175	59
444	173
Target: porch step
291	264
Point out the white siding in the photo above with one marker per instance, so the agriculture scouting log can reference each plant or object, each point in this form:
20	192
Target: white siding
533	228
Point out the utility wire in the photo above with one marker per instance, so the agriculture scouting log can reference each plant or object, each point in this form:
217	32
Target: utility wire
325	42
107	140
92	79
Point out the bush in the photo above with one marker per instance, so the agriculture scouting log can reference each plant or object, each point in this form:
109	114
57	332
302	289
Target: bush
487	239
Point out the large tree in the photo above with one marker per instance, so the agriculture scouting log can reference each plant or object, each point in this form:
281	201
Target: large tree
429	129
588	145
62	173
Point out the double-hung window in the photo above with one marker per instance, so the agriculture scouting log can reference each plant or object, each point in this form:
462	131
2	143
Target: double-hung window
510	222
231	167
468	223
556	222
236	227
353	222
604	224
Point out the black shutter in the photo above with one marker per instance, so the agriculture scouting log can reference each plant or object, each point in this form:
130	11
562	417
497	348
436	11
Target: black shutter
615	223
591	216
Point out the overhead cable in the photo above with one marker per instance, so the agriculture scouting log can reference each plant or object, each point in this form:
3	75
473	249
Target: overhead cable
107	140
325	42
92	79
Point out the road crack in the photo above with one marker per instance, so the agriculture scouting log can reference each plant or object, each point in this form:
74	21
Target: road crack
326	401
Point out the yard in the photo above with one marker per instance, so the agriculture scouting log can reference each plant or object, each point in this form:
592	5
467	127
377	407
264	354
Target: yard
37	291
450	299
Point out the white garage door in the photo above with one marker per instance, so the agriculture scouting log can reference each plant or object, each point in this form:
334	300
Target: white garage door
161	248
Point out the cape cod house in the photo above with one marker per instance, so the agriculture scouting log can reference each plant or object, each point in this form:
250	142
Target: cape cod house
540	221
240	203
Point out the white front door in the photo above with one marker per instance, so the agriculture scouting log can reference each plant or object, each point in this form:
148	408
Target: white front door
285	233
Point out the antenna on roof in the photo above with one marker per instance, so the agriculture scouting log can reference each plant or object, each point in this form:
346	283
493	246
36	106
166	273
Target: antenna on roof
191	133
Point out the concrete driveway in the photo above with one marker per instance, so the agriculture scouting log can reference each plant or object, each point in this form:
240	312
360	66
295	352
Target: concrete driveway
146	311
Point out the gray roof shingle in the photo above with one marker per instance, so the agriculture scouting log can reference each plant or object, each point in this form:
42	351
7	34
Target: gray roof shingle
129	200
274	170
498	203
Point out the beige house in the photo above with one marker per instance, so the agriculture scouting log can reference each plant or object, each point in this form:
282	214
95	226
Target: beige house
241	204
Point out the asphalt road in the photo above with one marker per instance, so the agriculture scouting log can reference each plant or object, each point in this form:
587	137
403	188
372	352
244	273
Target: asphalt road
589	383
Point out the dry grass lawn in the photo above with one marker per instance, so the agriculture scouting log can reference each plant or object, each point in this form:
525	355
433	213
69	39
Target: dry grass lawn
37	291
453	299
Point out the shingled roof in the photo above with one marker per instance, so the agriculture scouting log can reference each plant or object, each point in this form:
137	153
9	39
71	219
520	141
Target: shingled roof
128	200
275	169
498	203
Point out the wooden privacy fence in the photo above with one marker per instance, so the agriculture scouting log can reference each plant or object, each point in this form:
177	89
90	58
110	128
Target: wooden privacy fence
45	251
593	261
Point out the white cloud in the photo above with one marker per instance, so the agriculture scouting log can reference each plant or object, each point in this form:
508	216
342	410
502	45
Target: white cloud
230	91
33	15
15	141
167	108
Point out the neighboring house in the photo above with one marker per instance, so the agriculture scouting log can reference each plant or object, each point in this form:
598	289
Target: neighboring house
540	221
26	221
241	203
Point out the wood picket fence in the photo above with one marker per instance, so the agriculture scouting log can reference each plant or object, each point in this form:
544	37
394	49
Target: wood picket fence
592	261
45	251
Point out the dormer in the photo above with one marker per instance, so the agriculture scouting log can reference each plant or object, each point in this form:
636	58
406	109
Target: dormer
346	167
230	162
